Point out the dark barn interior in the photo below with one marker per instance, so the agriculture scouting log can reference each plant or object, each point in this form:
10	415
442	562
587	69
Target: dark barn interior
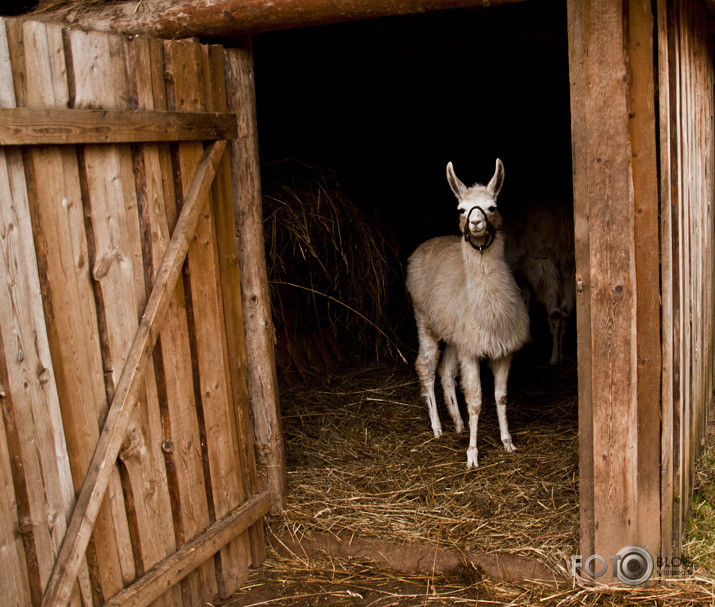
383	105
356	124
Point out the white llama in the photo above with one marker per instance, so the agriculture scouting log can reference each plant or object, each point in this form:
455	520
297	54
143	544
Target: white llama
465	295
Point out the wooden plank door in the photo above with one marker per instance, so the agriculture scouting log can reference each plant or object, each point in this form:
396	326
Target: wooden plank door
123	347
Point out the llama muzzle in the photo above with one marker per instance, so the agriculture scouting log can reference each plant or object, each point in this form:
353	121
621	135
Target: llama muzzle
483	240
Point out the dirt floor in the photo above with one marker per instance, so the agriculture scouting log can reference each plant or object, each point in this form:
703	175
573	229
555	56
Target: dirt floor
380	513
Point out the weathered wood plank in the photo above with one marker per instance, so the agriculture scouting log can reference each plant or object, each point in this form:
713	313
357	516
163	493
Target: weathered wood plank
686	262
179	58
209	350
130	383
193	554
583	273
245	170
227	242
24	126
184	19
36	482
669	269
58	228
32	415
153	187
96	71
647	265
208	306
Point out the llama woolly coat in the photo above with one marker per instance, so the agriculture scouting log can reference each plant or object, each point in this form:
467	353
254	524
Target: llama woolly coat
469	298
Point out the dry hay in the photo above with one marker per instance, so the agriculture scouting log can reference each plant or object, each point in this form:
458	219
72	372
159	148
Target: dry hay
76	6
362	461
333	263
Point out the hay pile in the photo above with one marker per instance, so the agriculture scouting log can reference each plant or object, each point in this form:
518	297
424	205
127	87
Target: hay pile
333	265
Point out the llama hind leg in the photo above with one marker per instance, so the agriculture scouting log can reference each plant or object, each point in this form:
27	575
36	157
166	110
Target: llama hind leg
426	365
448	373
471	381
500	368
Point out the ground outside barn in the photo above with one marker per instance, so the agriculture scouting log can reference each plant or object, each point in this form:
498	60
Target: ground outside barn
381	513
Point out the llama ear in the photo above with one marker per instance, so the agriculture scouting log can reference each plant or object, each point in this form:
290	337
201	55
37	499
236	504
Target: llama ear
498	180
457	186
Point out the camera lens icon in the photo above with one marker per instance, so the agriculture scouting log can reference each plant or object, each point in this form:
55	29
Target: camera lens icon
635	565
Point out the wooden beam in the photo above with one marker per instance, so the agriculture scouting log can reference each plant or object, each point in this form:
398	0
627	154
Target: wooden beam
130	382
180	564
259	331
23	126
186	18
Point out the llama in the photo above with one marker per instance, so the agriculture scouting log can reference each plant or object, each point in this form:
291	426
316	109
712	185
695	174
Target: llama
540	248
464	294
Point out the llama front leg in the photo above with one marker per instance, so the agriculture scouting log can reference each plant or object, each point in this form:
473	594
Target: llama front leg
544	275
448	373
473	394
500	368
426	365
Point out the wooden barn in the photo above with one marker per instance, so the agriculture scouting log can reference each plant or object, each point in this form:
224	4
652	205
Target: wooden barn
140	438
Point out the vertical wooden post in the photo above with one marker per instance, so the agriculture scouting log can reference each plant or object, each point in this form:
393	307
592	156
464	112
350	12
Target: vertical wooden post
583	273
616	210
245	168
646	208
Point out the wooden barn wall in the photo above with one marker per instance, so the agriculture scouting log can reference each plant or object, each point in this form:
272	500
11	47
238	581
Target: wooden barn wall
83	230
645	345
685	56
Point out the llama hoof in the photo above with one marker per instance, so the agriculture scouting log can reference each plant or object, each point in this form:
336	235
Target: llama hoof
509	446
459	427
472	458
437	432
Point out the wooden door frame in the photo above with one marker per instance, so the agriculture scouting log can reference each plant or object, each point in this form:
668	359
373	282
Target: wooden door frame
616	208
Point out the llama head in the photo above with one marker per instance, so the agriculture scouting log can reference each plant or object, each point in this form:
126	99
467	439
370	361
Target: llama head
479	217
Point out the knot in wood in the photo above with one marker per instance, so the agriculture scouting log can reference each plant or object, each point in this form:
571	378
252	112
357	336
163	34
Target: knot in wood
25	525
133	446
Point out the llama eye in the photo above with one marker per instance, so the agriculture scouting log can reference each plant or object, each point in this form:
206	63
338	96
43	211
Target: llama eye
461	211
491	209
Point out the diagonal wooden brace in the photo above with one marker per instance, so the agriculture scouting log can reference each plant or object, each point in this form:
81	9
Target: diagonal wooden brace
66	568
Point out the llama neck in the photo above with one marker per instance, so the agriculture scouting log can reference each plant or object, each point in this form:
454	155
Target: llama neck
480	265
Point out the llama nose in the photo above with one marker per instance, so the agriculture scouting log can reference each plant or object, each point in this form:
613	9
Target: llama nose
476	224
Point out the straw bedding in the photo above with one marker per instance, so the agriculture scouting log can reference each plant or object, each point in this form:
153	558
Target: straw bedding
362	462
362	459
